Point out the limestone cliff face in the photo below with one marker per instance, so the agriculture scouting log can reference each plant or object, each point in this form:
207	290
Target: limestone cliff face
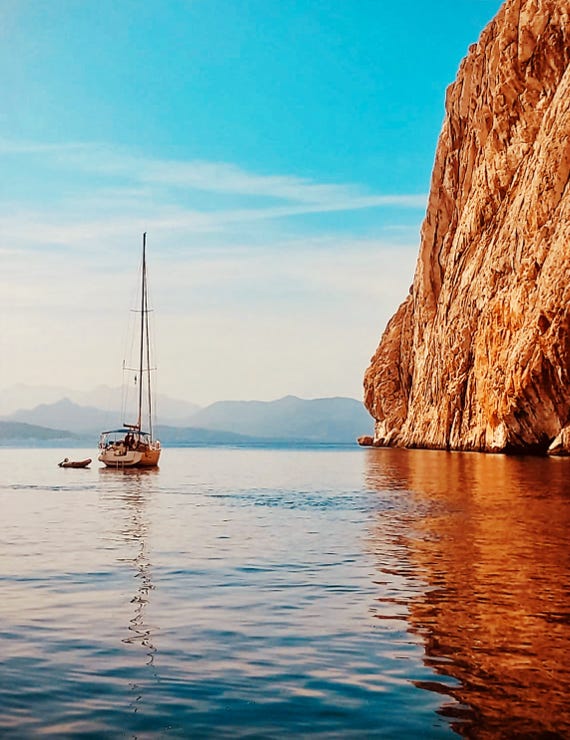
478	355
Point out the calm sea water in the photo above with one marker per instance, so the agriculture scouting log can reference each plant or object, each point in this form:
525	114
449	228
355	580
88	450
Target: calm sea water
275	593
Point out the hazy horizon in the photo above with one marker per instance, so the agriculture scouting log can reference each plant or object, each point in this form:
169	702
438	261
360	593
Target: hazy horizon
14	398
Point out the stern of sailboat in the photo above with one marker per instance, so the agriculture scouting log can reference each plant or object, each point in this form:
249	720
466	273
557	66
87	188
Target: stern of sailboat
151	456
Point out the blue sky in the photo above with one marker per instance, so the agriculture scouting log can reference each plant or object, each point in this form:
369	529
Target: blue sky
278	153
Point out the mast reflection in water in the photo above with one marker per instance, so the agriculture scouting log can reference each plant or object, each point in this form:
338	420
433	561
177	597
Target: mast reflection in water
134	531
483	540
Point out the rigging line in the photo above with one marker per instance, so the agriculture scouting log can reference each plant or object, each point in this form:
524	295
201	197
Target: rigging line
148	377
128	388
148	383
151	334
142	325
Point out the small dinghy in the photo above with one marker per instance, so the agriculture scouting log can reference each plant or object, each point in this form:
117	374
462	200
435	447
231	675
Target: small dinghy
67	463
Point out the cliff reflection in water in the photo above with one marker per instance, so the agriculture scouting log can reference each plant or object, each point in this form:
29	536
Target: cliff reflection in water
485	544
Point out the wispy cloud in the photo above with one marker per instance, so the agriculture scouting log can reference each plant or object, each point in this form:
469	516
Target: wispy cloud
125	175
237	270
77	194
227	178
14	147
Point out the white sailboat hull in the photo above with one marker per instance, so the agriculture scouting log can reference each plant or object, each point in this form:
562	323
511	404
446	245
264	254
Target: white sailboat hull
117	454
119	457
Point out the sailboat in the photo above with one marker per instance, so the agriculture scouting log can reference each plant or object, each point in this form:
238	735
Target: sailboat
133	446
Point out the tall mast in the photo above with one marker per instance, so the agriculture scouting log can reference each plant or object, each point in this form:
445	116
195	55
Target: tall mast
142	330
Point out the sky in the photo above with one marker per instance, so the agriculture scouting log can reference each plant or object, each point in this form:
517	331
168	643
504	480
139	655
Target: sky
278	153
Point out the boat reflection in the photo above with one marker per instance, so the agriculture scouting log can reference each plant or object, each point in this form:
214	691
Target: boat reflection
483	541
133	490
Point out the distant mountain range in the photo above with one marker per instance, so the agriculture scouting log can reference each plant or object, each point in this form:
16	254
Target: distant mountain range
103	397
328	420
13	432
287	420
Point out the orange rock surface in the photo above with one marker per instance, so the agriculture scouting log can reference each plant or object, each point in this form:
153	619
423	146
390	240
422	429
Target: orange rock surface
478	355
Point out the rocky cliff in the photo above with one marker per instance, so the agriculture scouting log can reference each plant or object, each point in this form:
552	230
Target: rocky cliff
478	355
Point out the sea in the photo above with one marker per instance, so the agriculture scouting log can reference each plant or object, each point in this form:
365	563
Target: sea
285	593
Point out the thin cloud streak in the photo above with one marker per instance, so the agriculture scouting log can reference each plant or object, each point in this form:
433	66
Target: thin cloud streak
211	177
101	196
227	178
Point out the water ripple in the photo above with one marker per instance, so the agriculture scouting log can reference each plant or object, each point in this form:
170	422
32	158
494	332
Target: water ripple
275	593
